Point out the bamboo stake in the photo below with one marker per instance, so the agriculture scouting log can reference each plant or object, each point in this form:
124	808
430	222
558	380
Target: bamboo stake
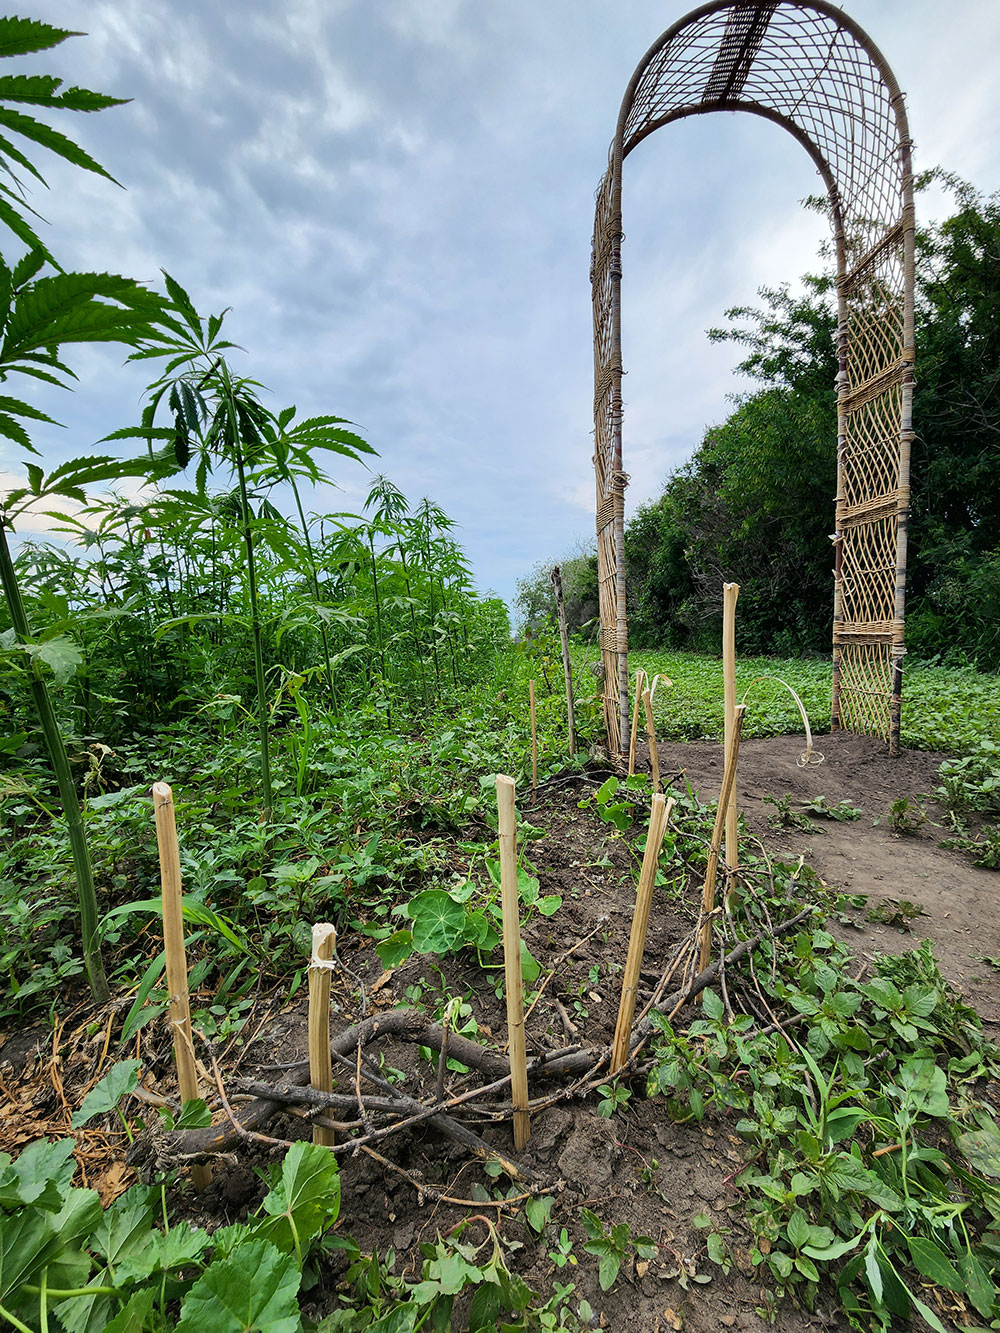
640	676
507	821
659	817
324	942
654	758
730	592
708	897
556	577
534	736
173	945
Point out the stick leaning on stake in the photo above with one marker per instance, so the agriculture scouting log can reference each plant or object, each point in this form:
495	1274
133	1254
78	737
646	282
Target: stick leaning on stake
324	941
728	781
507	821
659	817
173	946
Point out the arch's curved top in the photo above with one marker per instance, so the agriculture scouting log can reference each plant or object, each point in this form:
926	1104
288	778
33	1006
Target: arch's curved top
811	69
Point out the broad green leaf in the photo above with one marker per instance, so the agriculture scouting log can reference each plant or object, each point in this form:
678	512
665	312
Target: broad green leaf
40	1175
925	1085
978	1284
438	921
538	1211
136	1316
121	1078
933	1263
306	1195
254	1289
712	1005
981	1148
396	949
60	655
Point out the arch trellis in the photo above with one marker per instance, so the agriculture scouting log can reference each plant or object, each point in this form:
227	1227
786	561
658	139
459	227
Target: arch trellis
811	69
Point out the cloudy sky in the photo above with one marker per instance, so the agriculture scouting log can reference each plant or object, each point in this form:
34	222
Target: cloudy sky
395	197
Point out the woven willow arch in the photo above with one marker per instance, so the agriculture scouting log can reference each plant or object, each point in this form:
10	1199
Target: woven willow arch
812	70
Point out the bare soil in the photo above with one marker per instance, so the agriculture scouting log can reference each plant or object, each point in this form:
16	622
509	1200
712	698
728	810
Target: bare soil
638	1167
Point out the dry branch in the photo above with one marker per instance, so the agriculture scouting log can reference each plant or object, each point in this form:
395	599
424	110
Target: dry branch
414	1027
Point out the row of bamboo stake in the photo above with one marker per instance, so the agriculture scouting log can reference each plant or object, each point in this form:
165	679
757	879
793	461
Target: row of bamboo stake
324	934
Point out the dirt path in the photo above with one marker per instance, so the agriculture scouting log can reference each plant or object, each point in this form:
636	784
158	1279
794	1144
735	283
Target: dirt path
958	901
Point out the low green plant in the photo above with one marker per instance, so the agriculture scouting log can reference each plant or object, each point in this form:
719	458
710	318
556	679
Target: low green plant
785	817
611	1247
892	912
454	1270
875	1166
906	816
116	1268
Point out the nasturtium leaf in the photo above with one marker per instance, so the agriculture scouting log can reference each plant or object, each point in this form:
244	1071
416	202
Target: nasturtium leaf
438	921
254	1290
395	949
121	1078
530	967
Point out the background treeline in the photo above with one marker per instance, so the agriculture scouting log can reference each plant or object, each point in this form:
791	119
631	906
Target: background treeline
755	502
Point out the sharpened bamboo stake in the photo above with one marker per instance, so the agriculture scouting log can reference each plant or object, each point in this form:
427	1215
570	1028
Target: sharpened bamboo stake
173	947
507	823
324	942
659	817
534	736
640	676
730	592
654	758
708	897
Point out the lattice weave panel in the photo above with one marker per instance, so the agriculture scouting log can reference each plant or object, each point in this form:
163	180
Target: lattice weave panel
809	68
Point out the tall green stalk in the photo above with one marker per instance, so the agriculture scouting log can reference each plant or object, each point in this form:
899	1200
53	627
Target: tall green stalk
258	650
86	894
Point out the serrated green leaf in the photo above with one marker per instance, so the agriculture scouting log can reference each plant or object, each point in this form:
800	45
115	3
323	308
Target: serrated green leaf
306	1193
255	1288
120	1079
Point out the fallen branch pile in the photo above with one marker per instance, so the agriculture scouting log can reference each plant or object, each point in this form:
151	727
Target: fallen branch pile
580	1069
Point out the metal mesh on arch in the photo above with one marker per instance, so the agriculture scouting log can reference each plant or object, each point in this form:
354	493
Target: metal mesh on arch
811	69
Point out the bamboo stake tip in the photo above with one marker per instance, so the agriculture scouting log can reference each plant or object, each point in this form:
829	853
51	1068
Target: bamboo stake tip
162	793
321	932
503	781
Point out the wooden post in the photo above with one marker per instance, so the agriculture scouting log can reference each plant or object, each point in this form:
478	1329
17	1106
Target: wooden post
173	945
654	758
324	942
659	816
708	897
534	736
640	676
730	592
556	577
507	821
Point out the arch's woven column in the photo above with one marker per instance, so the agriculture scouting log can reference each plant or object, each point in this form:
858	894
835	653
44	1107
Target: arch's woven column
809	68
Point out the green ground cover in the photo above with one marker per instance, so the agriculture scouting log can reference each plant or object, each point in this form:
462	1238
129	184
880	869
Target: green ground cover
946	709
